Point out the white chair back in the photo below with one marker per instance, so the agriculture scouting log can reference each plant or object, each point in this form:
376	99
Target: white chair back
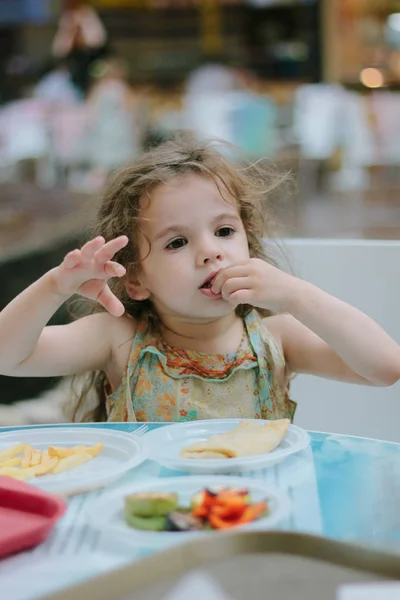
365	274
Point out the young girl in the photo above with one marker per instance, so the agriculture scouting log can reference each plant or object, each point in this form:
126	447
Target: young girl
195	321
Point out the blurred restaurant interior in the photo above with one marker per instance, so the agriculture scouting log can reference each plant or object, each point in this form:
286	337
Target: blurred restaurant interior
312	85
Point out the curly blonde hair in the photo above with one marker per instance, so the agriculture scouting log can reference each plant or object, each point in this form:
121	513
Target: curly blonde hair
250	184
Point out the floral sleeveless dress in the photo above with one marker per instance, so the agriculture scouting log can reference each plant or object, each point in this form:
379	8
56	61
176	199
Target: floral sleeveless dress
163	383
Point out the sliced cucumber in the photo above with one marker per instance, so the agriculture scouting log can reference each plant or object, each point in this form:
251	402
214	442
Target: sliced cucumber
151	504
147	523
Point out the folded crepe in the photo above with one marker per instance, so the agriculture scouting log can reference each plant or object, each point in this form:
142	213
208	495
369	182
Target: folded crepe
249	438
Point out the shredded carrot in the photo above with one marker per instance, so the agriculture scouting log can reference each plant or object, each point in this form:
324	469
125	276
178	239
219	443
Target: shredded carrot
200	511
252	512
218	523
228	508
230	499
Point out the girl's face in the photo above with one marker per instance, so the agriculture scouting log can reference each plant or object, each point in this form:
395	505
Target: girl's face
193	233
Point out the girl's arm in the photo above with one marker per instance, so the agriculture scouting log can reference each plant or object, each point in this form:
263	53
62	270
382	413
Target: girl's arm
319	334
29	348
326	337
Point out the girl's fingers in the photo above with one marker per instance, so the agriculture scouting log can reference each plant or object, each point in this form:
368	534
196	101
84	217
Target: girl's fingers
90	268
233	285
91	247
86	252
72	259
228	273
110	302
107	251
241	297
114	269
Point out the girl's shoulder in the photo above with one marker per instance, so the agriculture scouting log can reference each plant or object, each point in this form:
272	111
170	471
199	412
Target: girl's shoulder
121	332
288	333
273	328
279	326
111	327
276	327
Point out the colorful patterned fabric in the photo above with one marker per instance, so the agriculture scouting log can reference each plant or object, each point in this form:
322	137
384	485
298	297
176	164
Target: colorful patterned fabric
163	383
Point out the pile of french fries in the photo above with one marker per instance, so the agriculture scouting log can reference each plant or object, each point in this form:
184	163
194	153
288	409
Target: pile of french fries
23	462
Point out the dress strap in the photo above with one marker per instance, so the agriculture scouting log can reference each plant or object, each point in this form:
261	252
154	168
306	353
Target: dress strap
272	400
119	405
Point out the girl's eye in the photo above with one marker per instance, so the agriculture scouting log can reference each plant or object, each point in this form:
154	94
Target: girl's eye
177	244
225	232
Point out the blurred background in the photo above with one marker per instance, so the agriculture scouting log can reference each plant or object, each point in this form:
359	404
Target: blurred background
312	85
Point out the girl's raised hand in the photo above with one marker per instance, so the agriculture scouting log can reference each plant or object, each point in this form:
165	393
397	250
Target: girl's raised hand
86	272
257	283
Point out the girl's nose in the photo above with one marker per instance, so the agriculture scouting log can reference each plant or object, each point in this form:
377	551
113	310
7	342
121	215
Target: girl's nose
209	252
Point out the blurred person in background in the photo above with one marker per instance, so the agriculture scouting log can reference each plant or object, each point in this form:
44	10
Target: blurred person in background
224	101
213	74
65	119
206	97
56	85
80	38
113	134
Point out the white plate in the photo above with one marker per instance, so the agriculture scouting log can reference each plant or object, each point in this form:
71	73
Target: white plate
106	514
121	452
166	442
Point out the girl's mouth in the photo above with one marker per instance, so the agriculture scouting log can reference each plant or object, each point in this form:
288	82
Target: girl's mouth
205	288
209	281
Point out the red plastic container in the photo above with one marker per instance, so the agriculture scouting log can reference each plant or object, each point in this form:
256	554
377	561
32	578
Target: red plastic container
27	515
